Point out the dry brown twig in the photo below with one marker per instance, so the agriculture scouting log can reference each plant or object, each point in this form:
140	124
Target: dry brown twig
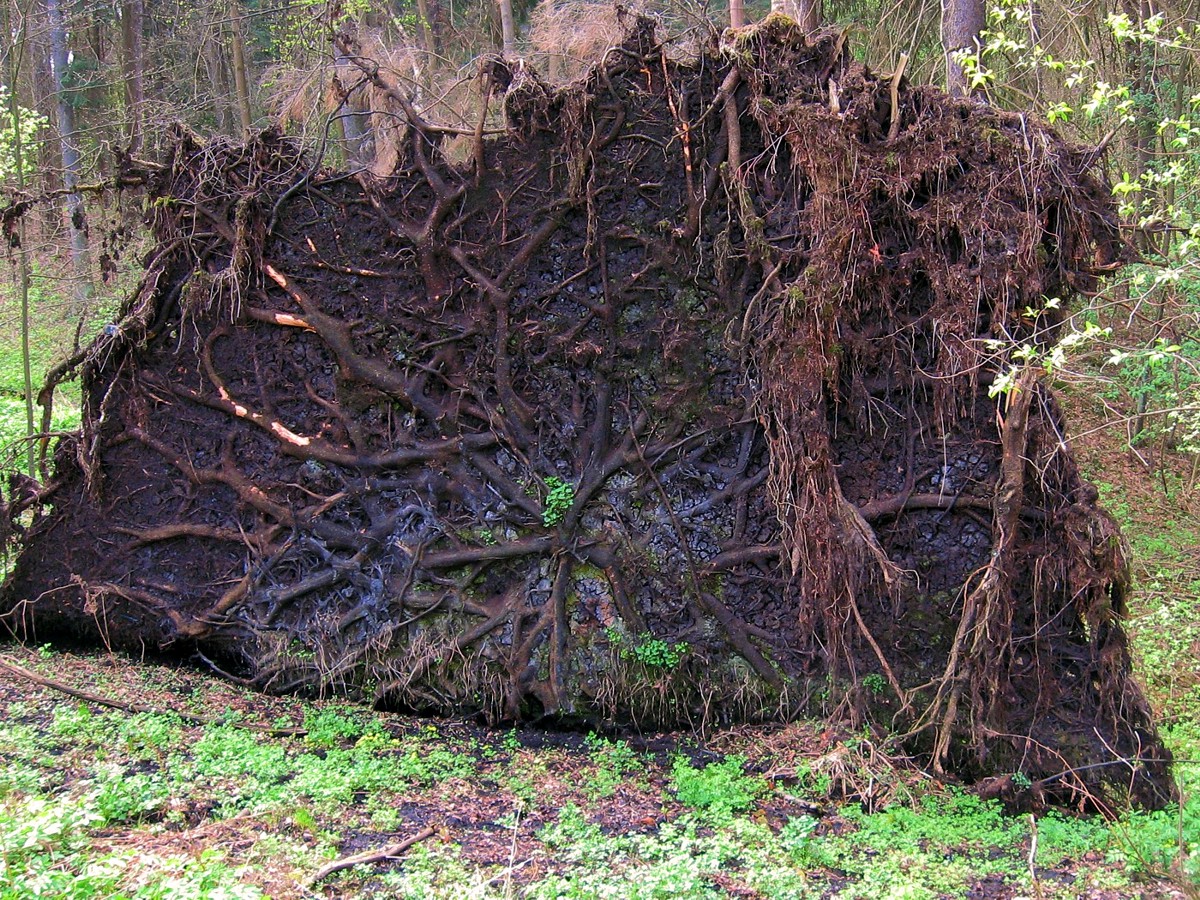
391	851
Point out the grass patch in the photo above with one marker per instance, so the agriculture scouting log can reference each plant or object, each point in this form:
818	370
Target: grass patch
1161	522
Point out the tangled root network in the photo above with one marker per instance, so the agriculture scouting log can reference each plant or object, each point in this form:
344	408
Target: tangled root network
669	406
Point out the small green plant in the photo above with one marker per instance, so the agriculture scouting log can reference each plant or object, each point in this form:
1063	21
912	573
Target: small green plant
655	653
433	765
719	789
874	683
1165	843
615	762
796	838
129	796
574	839
303	819
331	726
511	741
77	722
560	496
150	736
526	779
813	782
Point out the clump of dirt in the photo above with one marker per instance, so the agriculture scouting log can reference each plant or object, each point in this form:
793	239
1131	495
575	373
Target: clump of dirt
670	407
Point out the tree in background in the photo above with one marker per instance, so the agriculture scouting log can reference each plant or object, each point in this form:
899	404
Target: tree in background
807	13
1121	78
962	25
508	28
17	135
72	160
133	64
241	77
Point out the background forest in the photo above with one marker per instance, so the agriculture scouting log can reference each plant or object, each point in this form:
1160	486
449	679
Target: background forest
86	83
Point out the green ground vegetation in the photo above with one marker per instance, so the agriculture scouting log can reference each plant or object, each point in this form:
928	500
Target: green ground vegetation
190	802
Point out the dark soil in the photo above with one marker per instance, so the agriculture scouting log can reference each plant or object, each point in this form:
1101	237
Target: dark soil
670	408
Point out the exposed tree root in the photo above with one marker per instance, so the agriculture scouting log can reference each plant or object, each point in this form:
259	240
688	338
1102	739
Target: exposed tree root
668	406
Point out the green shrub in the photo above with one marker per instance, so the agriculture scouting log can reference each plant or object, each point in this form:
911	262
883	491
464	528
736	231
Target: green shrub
331	726
614	761
719	789
129	796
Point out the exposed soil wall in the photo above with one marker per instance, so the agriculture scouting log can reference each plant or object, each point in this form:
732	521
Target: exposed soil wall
670	406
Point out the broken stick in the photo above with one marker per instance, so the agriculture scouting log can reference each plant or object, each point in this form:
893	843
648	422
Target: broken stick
894	128
391	851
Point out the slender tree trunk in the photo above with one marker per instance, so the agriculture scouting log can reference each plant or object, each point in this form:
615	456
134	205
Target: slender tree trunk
508	28
240	79
426	14
1142	81
807	13
71	158
351	122
1181	92
45	161
134	67
962	23
218	76
16	53
737	13
437	23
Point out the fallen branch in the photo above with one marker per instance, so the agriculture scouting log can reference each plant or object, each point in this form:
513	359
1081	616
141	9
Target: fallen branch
391	851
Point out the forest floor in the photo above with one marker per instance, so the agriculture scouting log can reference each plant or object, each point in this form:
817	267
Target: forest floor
178	797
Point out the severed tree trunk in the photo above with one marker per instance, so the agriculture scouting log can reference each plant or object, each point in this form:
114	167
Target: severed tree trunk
72	161
807	13
962	23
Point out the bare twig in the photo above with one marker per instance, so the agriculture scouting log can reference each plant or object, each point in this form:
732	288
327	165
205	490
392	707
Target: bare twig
391	851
